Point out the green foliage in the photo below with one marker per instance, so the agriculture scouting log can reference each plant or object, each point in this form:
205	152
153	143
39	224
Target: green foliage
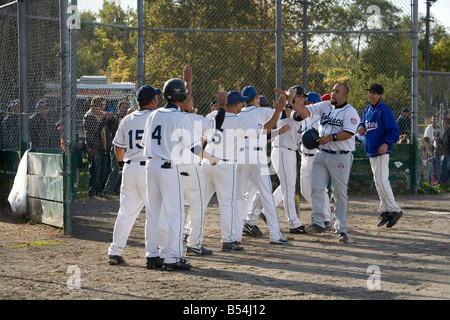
236	59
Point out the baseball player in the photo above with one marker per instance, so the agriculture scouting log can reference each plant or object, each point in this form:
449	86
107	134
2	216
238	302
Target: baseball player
255	169
131	159
222	178
167	132
381	132
192	176
307	157
284	160
338	124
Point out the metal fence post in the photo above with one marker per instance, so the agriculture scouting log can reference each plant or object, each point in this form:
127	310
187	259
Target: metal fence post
415	93
23	75
73	101
65	104
278	47
140	43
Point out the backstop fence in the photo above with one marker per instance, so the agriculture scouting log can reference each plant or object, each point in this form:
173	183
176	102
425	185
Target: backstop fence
58	60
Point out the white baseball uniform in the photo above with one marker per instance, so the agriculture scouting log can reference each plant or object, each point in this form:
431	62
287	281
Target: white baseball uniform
307	156
284	160
167	133
132	190
221	178
256	170
193	181
333	160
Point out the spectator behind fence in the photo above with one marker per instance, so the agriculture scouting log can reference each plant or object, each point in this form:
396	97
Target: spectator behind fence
44	128
96	123
10	127
434	130
112	184
429	165
444	148
404	122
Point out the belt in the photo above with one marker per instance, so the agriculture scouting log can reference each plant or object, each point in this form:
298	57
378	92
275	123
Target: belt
334	152
284	148
308	155
142	163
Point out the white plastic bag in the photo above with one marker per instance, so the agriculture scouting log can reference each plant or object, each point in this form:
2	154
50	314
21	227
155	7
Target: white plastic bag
18	195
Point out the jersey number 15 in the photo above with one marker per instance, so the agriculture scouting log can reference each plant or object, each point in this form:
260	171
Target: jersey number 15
137	135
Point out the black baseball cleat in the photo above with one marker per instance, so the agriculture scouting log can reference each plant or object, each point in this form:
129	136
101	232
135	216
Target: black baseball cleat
155	263
395	216
300	229
343	237
252	230
231	246
384	218
192	251
115	260
263	217
282	240
179	265
314	228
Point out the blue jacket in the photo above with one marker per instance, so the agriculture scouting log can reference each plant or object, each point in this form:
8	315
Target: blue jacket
380	126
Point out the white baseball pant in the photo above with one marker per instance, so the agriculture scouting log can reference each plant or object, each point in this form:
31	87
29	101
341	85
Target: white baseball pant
132	201
380	169
305	184
336	166
256	174
221	179
165	198
285	163
193	182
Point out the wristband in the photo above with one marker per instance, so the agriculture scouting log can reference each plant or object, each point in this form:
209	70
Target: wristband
121	164
335	137
288	106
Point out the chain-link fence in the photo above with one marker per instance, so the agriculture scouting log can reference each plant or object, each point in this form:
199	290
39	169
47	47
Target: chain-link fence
434	108
230	44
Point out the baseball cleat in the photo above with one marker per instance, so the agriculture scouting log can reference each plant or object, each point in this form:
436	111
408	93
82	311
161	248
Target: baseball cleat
231	246
282	240
300	229
328	225
252	230
315	228
394	218
192	251
155	263
384	218
115	260
179	265
343	237
263	217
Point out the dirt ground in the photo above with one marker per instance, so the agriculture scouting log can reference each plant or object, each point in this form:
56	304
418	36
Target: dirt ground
409	262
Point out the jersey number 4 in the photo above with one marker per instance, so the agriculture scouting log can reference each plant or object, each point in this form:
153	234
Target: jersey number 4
157	134
137	136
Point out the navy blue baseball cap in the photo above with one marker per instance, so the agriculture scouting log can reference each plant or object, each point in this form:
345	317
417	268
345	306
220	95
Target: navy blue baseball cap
249	92
147	93
234	97
263	101
314	97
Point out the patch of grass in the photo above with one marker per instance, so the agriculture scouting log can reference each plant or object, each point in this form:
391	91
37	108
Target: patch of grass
35	244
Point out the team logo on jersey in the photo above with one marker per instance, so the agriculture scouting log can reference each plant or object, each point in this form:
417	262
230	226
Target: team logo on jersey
353	121
340	166
371	125
327	119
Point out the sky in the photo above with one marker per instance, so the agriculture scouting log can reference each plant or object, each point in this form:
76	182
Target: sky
440	10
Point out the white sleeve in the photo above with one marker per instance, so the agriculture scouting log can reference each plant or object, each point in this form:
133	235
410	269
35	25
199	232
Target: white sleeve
315	110
119	138
351	120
